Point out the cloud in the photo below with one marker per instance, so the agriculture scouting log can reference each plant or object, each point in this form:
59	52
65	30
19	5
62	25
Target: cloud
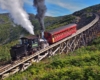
57	7
69	5
29	2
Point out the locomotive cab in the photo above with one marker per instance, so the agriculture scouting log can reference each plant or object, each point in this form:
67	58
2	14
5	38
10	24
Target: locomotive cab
31	43
28	45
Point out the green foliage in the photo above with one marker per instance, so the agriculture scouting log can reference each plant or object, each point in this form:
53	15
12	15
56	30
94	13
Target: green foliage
62	22
91	9
9	33
82	64
5	51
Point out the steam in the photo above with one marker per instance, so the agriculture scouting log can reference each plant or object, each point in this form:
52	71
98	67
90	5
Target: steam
41	9
18	14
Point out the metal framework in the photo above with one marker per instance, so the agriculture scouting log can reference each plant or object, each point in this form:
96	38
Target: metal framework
81	38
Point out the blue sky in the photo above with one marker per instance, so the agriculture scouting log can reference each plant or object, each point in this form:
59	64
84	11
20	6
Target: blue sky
59	7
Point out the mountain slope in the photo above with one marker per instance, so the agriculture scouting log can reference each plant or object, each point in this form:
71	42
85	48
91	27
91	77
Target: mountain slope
82	64
9	33
93	9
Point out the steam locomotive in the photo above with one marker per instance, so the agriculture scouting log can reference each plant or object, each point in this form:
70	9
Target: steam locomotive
30	44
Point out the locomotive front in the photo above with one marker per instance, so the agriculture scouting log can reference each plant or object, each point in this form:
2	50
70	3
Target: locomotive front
18	51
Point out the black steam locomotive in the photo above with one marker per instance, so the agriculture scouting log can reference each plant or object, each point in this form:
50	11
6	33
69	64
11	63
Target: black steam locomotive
28	46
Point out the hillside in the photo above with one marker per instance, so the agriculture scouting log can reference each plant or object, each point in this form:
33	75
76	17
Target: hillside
82	64
93	9
9	33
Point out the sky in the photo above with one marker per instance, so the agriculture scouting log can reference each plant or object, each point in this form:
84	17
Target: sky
59	7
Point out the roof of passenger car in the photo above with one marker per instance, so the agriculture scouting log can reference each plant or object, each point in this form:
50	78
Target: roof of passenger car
61	28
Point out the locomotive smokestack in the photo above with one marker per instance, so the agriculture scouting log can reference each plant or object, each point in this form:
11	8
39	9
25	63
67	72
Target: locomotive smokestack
41	9
17	13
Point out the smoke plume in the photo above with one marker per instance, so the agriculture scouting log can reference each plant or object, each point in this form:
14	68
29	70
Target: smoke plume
41	9
18	14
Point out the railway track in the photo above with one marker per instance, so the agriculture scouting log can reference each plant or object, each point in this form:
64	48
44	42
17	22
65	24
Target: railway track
81	38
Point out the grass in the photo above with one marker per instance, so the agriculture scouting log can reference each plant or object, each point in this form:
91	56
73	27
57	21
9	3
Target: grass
82	64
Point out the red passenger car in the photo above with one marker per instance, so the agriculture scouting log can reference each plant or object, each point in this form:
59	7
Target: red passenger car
60	33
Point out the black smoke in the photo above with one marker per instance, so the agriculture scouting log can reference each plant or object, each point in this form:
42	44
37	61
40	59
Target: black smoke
41	10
